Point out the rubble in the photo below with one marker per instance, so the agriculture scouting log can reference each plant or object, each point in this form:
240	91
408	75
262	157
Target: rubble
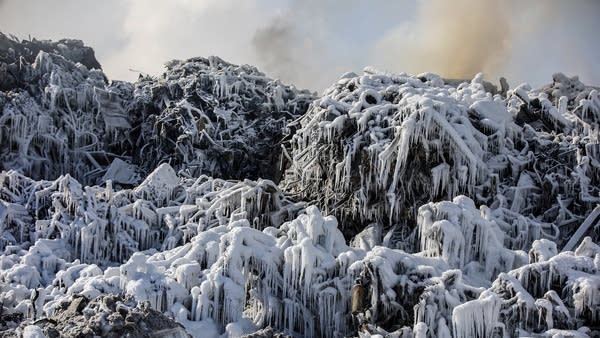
105	316
214	201
203	116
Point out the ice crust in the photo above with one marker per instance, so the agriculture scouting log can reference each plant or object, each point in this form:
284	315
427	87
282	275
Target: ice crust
445	204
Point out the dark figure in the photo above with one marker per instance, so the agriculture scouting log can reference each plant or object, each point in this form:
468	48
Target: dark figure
359	302
33	298
358	297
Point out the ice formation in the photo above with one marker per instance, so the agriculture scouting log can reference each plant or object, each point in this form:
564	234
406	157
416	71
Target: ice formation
215	201
376	147
203	115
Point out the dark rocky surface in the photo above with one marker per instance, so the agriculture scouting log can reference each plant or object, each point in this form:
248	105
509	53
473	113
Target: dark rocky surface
105	316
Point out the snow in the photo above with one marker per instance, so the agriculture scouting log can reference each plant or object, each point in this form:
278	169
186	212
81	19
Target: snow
476	318
33	331
392	205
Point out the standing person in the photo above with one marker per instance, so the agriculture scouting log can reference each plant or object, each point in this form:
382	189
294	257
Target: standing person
359	304
33	299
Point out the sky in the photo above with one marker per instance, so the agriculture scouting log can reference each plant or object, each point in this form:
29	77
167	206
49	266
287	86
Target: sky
311	43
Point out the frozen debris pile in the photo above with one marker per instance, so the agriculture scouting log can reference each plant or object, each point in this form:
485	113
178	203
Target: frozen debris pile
411	206
15	54
48	122
296	278
554	291
59	114
376	147
208	116
105	316
299	278
98	224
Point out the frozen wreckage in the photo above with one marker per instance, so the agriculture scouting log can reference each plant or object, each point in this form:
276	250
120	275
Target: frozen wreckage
448	202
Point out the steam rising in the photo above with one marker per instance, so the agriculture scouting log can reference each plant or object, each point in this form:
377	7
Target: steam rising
457	39
520	40
272	45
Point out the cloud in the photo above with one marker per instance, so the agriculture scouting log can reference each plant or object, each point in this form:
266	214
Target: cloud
310	43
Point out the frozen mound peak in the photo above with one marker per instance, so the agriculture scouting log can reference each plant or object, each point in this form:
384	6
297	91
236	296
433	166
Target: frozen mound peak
203	116
14	54
49	121
565	106
212	117
376	147
570	87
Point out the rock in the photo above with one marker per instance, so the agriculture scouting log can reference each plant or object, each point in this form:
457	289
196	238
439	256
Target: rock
266	333
72	323
76	306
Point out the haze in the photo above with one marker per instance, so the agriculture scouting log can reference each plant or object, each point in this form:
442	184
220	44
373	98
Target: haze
311	43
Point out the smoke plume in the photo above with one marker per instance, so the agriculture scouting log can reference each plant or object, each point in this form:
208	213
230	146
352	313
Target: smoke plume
311	43
456	39
520	40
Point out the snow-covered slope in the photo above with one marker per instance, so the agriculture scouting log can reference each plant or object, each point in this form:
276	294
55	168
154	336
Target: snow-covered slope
409	206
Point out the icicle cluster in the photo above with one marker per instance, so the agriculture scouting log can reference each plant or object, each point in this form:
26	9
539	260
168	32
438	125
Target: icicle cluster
383	144
483	240
100	225
205	116
412	206
554	292
376	147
